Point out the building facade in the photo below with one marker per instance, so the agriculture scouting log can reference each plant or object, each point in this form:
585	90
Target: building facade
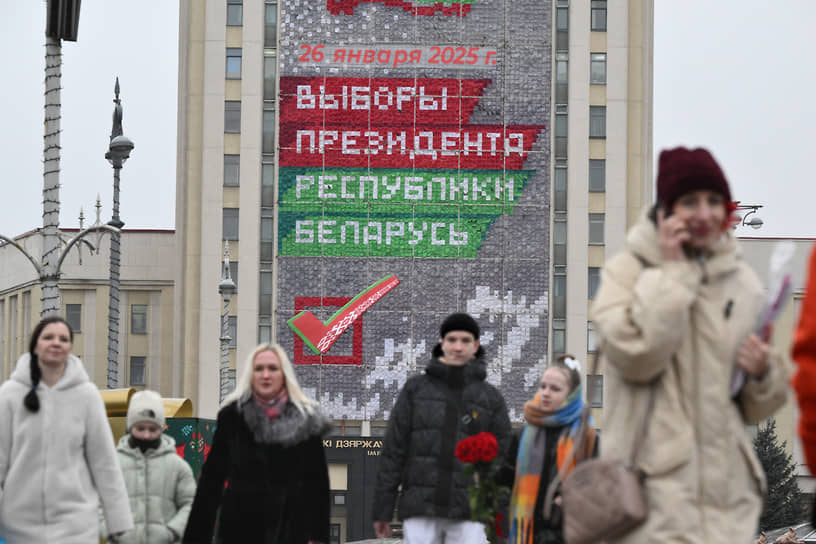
145	305
489	154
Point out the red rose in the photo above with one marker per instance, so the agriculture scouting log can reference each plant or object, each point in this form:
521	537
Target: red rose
478	448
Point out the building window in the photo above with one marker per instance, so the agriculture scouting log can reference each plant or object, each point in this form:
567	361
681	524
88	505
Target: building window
232	330
339	498
597	121
137	370
593	281
267	286
560	241
595	390
138	319
233	63
271	24
268	132
267	236
559	337
233	268
73	315
267	185
232	116
598	16
270	72
597	68
232	170
334	533
562	29
560	293
596	229
597	175
235	12
592	338
560	189
230	226
561	78
560	134
264	334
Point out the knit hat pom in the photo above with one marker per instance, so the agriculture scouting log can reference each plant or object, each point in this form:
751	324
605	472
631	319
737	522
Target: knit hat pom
459	322
681	170
145	406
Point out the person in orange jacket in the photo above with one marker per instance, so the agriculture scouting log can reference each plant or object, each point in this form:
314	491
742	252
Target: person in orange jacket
804	381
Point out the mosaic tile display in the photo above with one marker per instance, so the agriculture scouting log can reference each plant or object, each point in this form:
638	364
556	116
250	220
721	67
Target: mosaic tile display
413	141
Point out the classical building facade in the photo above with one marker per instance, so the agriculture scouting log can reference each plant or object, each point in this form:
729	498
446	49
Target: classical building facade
145	306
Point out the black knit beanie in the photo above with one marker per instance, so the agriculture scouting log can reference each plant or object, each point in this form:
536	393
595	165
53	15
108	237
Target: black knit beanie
459	322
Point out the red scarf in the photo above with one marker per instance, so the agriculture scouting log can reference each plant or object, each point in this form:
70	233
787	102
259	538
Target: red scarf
272	408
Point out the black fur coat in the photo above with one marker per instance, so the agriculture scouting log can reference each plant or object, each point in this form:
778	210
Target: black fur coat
270	480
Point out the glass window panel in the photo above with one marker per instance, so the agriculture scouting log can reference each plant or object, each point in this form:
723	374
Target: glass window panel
232	116
560	232
270	72
597	121
233	268
269	132
233	63
597	175
267	185
232	170
138	319
560	190
595	390
73	315
593	281
597	68
596	228
598	16
271	25
592	338
559	337
230	225
235	14
233	331
562	18
138	370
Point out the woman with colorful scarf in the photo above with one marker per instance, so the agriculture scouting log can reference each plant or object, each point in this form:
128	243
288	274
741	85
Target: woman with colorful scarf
540	449
266	475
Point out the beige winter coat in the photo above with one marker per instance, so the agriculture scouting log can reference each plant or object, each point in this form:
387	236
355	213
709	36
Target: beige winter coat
681	323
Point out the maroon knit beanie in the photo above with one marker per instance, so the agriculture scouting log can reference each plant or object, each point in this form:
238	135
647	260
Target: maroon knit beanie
682	171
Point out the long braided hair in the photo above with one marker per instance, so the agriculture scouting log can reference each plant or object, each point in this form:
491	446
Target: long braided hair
31	401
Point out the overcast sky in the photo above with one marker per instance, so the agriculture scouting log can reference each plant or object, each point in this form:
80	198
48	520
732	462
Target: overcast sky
730	75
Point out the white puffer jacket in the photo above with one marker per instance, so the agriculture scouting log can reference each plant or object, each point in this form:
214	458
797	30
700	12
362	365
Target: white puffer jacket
161	488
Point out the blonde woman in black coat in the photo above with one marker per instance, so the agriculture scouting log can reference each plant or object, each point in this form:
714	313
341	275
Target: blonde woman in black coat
267	469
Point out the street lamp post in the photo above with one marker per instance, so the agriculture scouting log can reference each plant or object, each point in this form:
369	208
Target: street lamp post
62	23
227	289
118	152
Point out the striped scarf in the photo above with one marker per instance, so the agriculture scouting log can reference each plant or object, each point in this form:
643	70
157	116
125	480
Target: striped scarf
532	448
273	408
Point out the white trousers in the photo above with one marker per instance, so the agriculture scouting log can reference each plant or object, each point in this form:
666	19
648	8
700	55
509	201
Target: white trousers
442	531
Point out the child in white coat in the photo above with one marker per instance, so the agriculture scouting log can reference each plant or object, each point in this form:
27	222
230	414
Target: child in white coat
160	484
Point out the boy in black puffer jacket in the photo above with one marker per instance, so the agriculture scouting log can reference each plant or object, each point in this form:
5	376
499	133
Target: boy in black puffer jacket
434	411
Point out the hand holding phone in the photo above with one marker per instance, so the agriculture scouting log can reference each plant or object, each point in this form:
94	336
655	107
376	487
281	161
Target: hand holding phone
672	234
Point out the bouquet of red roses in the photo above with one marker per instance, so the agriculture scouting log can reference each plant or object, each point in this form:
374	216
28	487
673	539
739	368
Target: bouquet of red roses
478	453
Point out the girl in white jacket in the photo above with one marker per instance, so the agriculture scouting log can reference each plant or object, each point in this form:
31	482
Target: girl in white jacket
57	459
160	484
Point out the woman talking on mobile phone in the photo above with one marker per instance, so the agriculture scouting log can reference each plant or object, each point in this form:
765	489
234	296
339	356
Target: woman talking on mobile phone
676	312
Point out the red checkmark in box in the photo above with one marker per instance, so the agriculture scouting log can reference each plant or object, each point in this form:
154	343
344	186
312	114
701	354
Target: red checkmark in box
304	358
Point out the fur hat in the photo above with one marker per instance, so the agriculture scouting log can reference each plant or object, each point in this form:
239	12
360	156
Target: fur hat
459	322
145	406
682	171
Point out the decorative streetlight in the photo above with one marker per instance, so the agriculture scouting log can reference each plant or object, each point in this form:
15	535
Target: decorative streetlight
227	289
118	152
755	222
62	23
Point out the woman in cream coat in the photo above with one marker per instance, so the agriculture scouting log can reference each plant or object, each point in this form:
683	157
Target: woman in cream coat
57	458
677	311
